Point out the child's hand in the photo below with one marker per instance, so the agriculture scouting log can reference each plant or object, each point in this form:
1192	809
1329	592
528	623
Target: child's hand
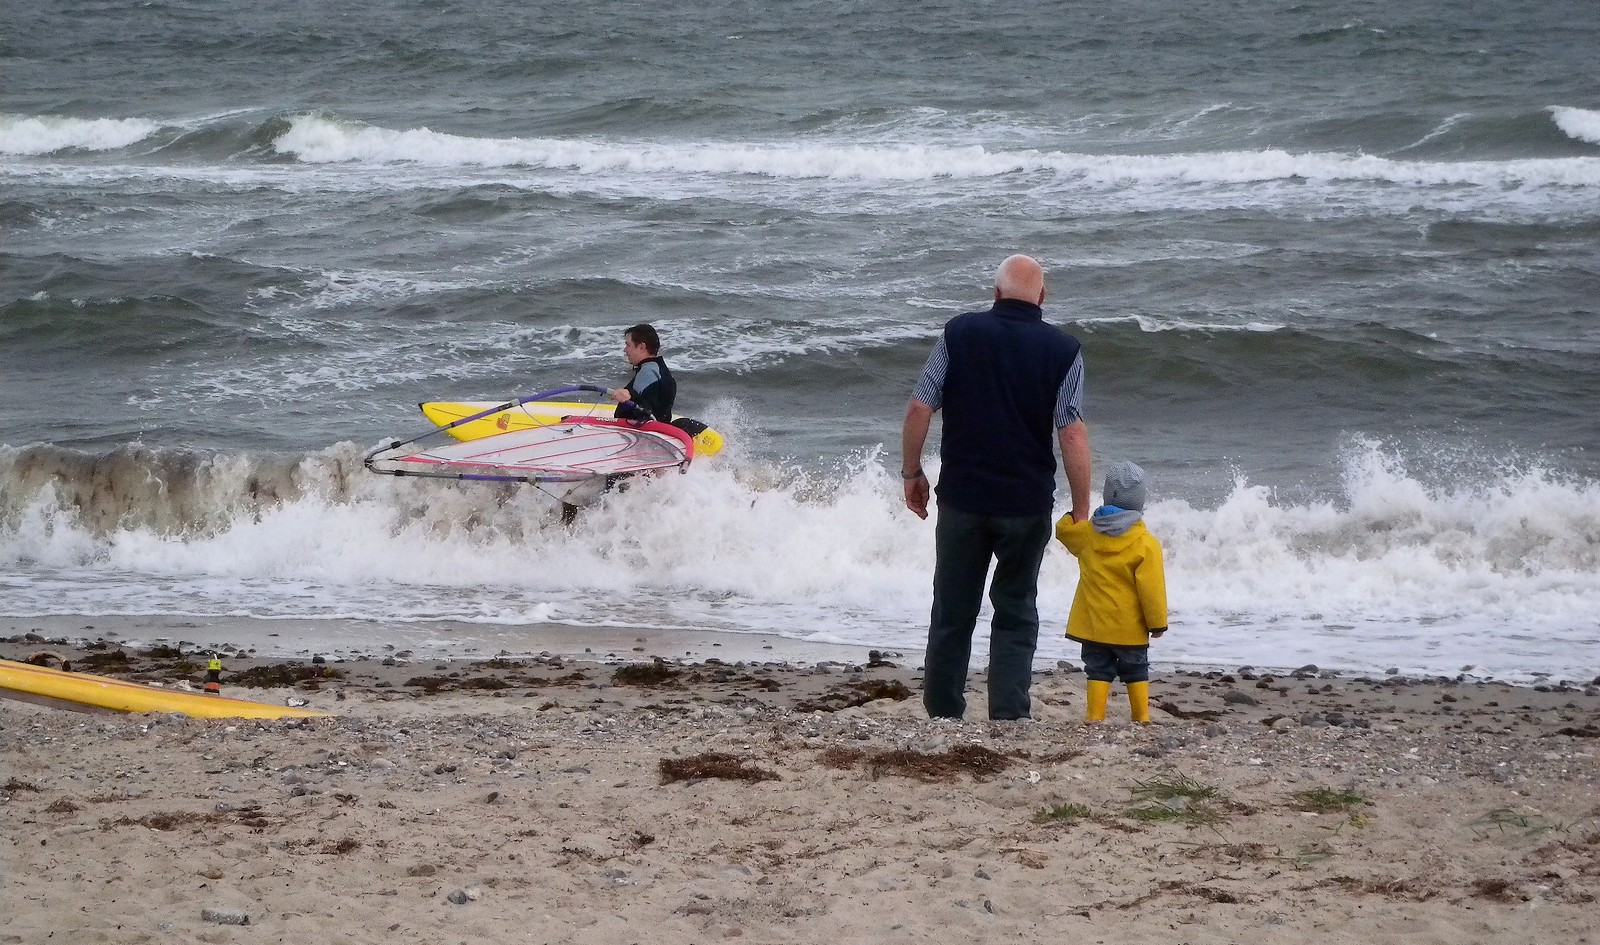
1156	633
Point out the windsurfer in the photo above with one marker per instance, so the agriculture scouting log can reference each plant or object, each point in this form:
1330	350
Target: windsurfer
651	390
649	395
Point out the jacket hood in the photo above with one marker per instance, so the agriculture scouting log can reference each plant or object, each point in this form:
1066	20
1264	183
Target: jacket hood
1110	520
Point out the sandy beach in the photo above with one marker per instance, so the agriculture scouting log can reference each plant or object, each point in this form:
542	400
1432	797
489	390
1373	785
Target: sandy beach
762	793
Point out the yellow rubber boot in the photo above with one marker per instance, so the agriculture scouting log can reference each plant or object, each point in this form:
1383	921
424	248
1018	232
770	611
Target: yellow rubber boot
1099	691
1139	700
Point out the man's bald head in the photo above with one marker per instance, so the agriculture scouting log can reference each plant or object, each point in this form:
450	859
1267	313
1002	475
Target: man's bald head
1020	277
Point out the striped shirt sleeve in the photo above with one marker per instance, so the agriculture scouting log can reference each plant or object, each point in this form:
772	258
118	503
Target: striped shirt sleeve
1069	398
930	386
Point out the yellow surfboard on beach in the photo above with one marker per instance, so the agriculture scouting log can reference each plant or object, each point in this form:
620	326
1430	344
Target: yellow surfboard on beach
86	692
538	413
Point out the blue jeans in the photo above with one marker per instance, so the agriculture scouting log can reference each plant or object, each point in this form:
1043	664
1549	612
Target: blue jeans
1105	662
964	546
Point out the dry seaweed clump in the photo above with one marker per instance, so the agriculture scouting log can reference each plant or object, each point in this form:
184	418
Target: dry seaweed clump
283	675
841	758
974	760
113	660
1498	890
712	764
856	693
158	821
1399	890
433	685
657	673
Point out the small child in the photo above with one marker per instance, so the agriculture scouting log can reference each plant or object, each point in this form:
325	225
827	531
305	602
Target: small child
1122	592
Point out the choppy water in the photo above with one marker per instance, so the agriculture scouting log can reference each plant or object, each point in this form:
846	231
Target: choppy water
1334	268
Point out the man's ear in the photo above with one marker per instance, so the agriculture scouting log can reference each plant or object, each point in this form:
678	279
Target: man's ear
1041	296
997	293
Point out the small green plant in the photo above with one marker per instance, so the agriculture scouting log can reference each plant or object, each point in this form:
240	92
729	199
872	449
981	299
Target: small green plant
1327	800
1175	798
1061	814
1179	813
1173	786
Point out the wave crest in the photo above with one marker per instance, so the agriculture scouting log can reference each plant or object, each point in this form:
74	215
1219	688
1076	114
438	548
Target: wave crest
1579	123
1429	567
48	134
318	139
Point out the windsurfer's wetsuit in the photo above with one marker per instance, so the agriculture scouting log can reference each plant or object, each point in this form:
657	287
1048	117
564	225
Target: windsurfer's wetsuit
651	392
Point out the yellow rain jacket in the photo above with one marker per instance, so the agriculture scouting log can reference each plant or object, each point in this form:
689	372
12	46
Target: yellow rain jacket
1122	586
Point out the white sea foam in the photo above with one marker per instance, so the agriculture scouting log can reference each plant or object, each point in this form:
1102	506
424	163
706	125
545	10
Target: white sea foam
1443	128
828	176
1502	574
338	289
46	134
716	343
356	356
1153	323
1580	123
316	139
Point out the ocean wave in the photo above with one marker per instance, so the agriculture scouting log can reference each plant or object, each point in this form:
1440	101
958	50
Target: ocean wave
49	134
1580	123
340	289
322	516
356	361
44	325
1151	324
1413	561
1509	521
327	157
318	139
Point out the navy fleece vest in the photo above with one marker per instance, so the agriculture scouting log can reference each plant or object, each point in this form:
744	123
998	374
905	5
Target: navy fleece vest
1006	368
657	399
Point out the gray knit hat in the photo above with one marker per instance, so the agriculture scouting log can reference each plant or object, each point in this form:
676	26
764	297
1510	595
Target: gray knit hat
1125	486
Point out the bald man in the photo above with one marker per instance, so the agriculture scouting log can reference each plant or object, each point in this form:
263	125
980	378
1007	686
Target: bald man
1008	385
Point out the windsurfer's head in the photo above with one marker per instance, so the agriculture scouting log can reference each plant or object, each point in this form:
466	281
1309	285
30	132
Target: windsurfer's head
640	342
1020	277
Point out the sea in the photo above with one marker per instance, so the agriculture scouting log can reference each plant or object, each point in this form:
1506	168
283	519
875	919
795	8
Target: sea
1335	268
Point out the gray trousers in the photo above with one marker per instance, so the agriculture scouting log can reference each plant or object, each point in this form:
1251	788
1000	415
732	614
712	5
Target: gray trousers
964	545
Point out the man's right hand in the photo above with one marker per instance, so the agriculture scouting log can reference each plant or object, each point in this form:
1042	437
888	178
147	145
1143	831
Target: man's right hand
917	495
912	436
